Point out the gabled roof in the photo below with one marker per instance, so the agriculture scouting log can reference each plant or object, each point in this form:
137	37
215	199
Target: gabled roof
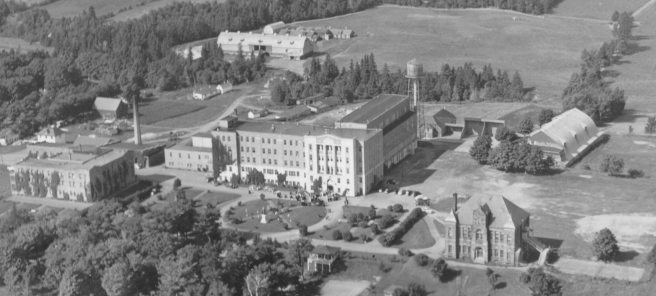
206	90
325	250
504	213
347	32
328	102
51	132
92	141
374	108
564	126
235	38
106	104
276	25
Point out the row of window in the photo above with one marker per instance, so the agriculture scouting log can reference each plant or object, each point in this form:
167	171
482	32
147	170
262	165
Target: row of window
466	233
207	156
268	141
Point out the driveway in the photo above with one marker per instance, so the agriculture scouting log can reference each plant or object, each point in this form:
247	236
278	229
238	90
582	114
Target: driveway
600	269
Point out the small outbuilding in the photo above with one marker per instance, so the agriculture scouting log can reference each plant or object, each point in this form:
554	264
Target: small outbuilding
110	108
51	135
273	28
258	113
323	105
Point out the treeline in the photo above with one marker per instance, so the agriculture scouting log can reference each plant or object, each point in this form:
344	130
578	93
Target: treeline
362	81
8	7
525	6
587	89
112	249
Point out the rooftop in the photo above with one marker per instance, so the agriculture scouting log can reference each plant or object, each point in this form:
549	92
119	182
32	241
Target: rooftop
132	146
303	130
92	140
106	104
51	131
205	90
374	108
187	146
203	135
74	161
234	38
325	250
505	214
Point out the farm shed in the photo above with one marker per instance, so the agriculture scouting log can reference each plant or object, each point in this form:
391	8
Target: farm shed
110	108
273	28
293	47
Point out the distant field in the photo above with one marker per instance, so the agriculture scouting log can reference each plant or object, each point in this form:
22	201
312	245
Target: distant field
545	51
596	9
24	46
514	118
68	8
137	12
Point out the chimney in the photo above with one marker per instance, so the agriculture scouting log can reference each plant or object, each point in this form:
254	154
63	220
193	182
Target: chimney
455	202
273	127
70	156
137	125
80	147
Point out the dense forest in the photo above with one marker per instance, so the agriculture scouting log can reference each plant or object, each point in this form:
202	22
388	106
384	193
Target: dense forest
124	250
525	6
362	81
587	90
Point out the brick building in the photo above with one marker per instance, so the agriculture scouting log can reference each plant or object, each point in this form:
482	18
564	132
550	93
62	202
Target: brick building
191	155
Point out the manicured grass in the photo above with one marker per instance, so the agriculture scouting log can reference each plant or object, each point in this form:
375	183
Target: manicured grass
418	237
141	185
446	204
348	210
5	184
5	206
439	226
189	192
27	206
545	51
155	112
215	198
304	215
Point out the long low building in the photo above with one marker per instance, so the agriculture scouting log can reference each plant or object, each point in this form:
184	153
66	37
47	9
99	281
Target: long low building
191	155
74	175
289	46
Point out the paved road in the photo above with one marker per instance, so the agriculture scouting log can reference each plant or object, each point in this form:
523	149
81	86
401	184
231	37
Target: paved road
643	8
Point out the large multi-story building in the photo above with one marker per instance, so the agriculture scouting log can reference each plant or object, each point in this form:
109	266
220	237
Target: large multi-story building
74	175
191	155
487	229
289	46
348	159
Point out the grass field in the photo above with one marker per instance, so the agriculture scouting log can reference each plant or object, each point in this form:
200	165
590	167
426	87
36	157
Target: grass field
69	8
545	51
5	189
595	9
514	118
137	12
8	44
215	198
304	215
155	112
418	237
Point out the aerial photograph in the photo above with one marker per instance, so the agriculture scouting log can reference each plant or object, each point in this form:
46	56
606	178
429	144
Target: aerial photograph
327	147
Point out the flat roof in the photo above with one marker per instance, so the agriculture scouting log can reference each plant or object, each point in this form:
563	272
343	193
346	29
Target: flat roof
297	129
186	146
78	160
374	108
203	135
132	146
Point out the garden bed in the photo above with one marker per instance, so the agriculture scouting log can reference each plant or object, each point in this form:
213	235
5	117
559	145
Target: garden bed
419	237
250	215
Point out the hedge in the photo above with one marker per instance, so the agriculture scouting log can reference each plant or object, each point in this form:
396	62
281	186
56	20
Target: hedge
387	239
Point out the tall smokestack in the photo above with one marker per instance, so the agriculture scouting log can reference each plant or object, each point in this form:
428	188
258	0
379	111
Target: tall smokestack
137	126
455	202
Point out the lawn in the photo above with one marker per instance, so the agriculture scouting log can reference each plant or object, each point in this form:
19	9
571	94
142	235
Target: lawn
595	9
418	237
5	185
250	214
532	111
5	206
137	12
69	8
189	192
8	44
152	112
545	51
215	198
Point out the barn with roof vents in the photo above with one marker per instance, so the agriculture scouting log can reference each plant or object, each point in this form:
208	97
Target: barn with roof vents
288	46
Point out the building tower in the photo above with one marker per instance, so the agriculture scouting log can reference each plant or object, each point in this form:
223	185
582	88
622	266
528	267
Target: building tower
415	71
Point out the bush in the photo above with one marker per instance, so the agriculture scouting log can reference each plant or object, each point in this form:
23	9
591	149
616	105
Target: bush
633	173
364	237
405	252
239	203
177	183
262	196
390	208
651	257
612	165
347	236
362	224
387	239
605	245
422	259
524	278
235	221
337	235
374	229
438	267
372	213
303	230
398	208
385	221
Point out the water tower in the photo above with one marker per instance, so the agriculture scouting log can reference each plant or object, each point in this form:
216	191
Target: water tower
415	71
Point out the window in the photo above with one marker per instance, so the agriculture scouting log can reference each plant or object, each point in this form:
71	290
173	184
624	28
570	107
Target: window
269	151
284	152
296	143
248	159
284	142
360	180
359	149
275	161
274	141
496	253
242	149
269	161
310	145
198	156
479	234
188	156
275	151
501	255
450	249
179	155
450	233
246	139
496	237
338	180
285	163
254	160
297	164
347	161
501	237
171	154
253	139
241	138
508	239
268	141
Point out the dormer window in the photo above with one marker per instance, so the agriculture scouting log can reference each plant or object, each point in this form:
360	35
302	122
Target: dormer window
230	39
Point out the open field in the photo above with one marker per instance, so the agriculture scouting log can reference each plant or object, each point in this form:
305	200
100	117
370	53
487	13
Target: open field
155	112
566	207
69	8
8	44
545	51
137	12
250	213
418	237
595	9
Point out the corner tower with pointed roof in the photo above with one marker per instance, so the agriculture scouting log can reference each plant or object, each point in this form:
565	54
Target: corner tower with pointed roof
486	229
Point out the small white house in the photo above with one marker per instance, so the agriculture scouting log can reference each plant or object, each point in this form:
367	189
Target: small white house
206	92
51	135
224	88
258	113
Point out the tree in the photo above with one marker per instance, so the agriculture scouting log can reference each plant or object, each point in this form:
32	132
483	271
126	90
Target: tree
504	133
347	236
525	126
281	179
605	245
316	186
73	283
481	149
415	289
372	213
545	116
374	229
542	284
650	126
257	281
298	252
177	183
503	156
180	195
221	157
612	165
337	235
234	179
493	278
439	268
615	16
303	230
118	280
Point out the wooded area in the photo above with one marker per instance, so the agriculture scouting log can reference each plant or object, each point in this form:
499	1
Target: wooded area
362	81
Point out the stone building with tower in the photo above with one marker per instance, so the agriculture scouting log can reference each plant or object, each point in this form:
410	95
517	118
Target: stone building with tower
488	229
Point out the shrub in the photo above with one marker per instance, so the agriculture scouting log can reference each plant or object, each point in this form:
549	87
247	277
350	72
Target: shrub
586	167
177	183
612	165
353	220
398	208
405	252
524	278
374	229
633	173
651	257
362	224
337	235
239	203
262	196
360	217
390	208
438	267
372	213
235	221
387	239
421	259
385	221
302	230
605	245
347	236
364	237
